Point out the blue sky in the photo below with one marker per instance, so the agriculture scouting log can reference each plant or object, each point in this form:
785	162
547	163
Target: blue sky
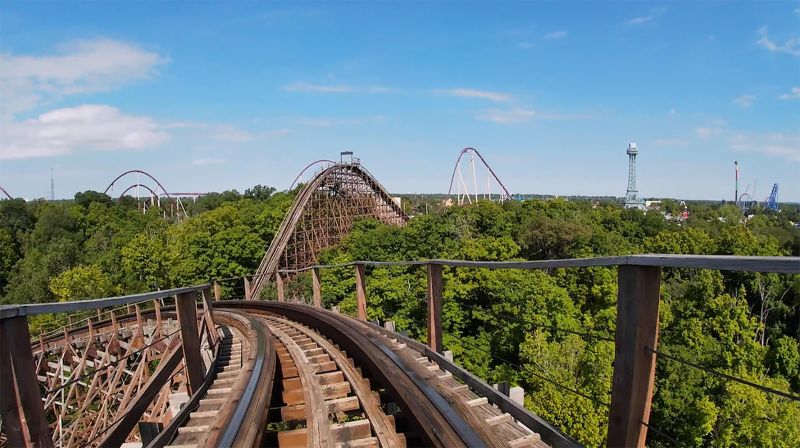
212	96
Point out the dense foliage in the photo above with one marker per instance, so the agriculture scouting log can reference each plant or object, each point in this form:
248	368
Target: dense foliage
546	331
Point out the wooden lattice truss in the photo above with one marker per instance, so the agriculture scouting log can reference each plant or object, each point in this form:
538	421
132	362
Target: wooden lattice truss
90	376
324	212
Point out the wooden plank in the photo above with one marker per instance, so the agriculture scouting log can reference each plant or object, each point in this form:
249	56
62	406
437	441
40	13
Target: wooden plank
27	384
217	291
118	433
317	288
361	293
279	286
248	293
62	307
209	316
13	415
435	307
384	425
634	364
316	410
339	405
186	309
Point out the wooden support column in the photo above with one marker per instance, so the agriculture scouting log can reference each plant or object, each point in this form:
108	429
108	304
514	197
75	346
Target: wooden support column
317	287
634	363
21	399
190	339
209	316
217	291
435	307
10	408
279	286
361	293
247	289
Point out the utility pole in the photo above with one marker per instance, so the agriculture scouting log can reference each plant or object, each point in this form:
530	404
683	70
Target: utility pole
52	187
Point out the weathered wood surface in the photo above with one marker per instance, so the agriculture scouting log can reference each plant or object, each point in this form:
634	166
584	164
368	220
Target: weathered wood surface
786	265
7	311
634	364
186	308
435	307
361	292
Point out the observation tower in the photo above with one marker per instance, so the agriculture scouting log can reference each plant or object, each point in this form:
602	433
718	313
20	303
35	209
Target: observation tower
632	199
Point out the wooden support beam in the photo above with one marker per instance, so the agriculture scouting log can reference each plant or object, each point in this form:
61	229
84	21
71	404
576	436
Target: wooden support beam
24	388
634	363
248	292
209	316
279	286
10	408
190	339
217	291
361	293
435	307
119	432
317	288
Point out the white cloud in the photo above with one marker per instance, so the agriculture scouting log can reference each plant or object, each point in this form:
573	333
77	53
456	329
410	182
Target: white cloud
555	35
744	101
670	142
82	128
708	132
642	20
232	133
673	112
782	145
209	161
83	66
793	95
224	131
472	93
790	46
324	122
322	88
639	20
525	44
508	116
713	128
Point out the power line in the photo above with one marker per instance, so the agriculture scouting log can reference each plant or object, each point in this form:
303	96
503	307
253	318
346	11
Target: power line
520	321
724	375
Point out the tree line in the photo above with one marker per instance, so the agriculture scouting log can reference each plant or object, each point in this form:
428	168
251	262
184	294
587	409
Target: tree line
548	331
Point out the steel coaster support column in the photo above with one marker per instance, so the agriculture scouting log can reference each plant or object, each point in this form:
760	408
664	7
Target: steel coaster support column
435	307
279	286
361	293
247	289
217	291
634	360
24	419
317	288
190	339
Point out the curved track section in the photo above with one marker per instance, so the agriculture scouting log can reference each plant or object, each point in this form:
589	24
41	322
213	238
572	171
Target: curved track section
346	384
322	213
281	374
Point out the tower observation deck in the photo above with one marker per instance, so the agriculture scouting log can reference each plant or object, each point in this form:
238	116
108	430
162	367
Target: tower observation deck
632	199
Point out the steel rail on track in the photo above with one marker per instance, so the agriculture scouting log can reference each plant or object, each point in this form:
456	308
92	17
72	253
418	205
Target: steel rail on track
261	378
438	421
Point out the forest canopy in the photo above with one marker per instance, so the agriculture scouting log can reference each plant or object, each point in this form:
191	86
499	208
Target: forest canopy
547	331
